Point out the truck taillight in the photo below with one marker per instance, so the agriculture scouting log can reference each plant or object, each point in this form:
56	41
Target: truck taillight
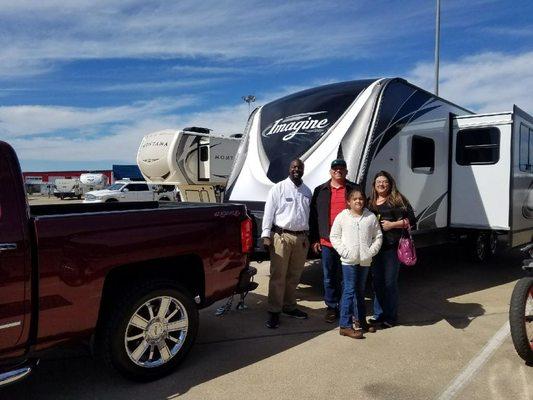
246	235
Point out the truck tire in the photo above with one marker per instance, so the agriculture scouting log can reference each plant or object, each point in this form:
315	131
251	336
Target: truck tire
150	331
521	318
111	200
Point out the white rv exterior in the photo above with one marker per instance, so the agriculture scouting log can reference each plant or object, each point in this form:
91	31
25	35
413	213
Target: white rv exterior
184	157
93	181
446	168
65	188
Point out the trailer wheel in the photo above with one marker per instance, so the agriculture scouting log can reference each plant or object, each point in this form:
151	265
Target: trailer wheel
150	331
521	318
492	243
479	247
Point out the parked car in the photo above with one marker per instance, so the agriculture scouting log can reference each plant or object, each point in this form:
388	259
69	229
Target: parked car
127	277
125	190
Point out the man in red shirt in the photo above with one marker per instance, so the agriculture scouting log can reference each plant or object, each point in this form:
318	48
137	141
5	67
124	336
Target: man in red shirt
329	199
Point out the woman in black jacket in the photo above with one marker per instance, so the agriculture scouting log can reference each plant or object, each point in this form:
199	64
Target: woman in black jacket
394	214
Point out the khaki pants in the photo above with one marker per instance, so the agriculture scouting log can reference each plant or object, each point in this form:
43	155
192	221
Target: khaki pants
287	259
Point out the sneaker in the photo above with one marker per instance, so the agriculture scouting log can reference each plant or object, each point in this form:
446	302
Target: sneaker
369	328
331	315
273	320
375	320
351	333
296	313
365	327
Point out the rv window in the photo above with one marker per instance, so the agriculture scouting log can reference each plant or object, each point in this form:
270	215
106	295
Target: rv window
478	146
422	155
524	147
204	153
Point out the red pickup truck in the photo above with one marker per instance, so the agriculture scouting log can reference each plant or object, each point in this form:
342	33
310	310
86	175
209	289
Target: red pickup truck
127	277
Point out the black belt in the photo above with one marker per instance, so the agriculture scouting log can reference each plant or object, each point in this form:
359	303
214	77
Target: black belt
280	230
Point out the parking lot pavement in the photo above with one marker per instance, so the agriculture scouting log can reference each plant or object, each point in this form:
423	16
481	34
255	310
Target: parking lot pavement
40	200
450	310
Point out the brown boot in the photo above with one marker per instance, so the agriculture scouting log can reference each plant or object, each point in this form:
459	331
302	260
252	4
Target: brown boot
351	333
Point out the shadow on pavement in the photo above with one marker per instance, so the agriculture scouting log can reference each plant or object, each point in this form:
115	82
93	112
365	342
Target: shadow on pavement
225	344
426	289
240	339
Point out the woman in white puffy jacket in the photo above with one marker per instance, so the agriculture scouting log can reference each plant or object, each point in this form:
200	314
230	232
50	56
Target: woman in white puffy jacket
357	237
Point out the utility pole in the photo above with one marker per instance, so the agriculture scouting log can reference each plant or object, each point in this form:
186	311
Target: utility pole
437	47
249	99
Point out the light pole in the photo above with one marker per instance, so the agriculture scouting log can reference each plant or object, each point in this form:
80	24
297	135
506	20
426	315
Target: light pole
437	47
249	99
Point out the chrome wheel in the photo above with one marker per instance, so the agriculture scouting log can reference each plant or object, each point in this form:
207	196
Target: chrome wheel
156	331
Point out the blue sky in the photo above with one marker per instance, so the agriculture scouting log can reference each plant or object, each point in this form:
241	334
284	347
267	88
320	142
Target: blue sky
82	81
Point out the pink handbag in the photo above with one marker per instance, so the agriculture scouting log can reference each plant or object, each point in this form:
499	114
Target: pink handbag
406	248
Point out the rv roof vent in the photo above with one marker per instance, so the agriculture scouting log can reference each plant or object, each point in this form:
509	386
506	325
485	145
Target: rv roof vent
197	129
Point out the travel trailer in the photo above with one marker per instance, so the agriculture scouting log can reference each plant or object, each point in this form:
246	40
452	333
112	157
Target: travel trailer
65	188
191	157
466	175
93	181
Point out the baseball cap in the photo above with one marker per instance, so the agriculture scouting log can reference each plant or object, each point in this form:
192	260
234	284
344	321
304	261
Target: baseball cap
338	163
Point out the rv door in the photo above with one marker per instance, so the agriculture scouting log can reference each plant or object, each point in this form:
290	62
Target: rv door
203	159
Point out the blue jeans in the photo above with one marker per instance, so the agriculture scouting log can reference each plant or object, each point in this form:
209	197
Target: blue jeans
385	270
331	266
353	294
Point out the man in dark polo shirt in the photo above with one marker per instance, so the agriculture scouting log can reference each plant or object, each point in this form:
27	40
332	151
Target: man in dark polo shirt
329	199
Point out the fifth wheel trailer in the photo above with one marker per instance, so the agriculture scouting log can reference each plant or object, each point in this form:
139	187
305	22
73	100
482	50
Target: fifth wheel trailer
197	162
465	174
93	181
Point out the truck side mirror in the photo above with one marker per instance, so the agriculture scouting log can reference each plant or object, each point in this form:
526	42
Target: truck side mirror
125	190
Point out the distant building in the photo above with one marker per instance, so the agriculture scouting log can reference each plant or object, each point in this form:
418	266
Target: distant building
43	181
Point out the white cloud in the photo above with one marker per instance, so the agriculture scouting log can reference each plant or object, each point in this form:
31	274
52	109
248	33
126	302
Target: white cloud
122	138
123	127
276	32
487	82
16	121
159	85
